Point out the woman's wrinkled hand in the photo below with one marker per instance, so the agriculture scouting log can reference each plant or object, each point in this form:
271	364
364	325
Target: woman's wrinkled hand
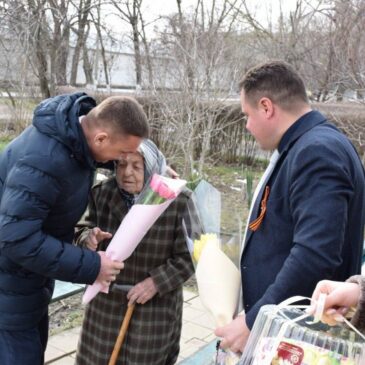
142	292
95	236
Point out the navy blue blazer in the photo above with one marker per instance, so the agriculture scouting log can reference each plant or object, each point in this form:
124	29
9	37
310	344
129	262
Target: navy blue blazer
314	224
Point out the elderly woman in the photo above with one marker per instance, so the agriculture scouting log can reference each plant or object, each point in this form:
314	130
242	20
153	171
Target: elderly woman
155	271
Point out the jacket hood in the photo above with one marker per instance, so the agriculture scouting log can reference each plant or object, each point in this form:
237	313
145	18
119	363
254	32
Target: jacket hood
58	117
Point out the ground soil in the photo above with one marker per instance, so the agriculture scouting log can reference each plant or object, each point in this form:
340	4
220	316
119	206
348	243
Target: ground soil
65	314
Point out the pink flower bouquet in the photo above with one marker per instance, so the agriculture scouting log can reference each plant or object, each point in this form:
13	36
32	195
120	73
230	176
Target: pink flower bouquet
157	195
158	191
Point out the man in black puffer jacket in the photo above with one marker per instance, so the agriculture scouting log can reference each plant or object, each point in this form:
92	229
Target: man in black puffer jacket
45	177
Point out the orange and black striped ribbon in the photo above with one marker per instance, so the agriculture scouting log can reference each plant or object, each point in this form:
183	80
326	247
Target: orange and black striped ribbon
254	225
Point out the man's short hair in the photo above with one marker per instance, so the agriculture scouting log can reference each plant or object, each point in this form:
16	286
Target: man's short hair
277	81
123	114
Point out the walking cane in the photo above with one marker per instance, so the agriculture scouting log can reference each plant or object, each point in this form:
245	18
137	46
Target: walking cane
123	327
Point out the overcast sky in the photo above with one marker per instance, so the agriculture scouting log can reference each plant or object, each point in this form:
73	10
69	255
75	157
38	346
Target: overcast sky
152	9
261	7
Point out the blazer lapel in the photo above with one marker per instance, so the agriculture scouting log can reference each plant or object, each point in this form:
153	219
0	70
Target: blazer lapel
257	204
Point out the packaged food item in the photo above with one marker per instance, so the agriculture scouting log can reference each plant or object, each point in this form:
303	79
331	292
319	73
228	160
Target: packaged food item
287	336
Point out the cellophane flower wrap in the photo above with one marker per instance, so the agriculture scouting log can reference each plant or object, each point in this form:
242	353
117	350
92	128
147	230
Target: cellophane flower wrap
218	278
158	193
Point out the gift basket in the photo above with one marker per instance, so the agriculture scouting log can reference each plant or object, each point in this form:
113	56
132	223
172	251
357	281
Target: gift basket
287	335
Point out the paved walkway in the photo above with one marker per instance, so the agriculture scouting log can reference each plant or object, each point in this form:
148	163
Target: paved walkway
197	338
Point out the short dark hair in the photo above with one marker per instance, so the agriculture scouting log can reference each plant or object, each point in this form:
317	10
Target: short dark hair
277	81
123	114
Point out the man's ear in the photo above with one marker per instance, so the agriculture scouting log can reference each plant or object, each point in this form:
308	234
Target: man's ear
266	106
100	138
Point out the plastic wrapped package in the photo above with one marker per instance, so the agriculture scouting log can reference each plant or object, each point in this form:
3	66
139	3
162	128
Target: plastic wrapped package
279	338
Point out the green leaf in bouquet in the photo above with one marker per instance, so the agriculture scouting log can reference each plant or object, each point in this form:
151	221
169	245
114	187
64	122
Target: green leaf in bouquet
152	198
193	181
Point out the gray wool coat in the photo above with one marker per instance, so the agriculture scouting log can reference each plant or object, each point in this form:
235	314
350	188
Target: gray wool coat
154	332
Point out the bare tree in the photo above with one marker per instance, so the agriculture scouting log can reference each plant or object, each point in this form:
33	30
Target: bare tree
42	30
45	29
146	47
322	39
100	40
37	37
348	44
84	7
59	41
200	62
87	65
130	11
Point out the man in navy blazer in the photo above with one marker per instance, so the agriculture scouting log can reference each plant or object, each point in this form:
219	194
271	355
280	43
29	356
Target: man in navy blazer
307	222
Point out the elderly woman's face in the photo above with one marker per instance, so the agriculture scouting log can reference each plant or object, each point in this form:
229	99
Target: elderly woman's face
130	173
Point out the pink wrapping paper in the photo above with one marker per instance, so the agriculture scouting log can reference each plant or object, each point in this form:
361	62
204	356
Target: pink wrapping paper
132	229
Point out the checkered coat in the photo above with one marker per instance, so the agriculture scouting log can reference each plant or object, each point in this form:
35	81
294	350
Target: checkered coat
154	331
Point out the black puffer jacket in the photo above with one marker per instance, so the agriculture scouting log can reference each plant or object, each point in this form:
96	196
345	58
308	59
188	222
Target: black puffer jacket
45	177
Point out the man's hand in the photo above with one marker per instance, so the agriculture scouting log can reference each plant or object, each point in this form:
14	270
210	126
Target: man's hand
109	269
95	236
234	335
340	298
142	292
